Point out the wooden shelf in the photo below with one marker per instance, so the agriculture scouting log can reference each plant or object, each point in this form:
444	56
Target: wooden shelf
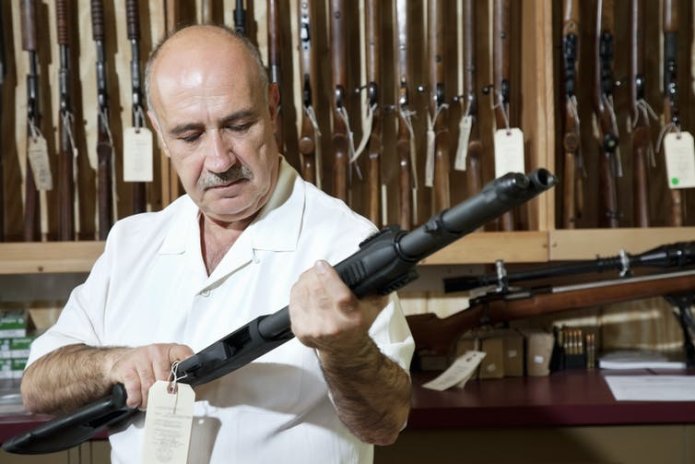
475	248
44	257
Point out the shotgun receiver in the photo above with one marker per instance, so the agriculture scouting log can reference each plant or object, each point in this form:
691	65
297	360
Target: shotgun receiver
67	159
32	206
609	162
105	150
384	263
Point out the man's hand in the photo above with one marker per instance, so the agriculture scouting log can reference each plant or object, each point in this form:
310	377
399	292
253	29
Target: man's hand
370	392
326	315
75	375
138	368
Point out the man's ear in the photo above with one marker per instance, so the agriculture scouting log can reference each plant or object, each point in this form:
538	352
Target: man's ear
155	124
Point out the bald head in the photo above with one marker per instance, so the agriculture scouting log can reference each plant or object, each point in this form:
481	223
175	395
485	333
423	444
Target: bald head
198	44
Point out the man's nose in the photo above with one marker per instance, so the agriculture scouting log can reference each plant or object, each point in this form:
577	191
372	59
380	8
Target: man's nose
219	157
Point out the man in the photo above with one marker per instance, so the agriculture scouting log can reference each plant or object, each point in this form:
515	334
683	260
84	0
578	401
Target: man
248	234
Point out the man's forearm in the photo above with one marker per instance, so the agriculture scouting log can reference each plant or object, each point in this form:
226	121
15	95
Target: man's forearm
370	391
67	378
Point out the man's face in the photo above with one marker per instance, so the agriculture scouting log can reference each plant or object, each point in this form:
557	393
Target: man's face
215	123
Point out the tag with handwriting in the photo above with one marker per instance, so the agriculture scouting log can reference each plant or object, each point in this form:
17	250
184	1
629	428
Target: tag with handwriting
168	422
680	159
37	152
509	151
458	373
137	155
429	160
465	127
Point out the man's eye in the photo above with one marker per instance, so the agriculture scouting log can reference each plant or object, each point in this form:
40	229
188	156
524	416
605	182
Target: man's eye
189	138
240	127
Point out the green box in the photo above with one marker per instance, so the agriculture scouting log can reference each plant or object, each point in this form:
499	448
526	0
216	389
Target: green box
13	324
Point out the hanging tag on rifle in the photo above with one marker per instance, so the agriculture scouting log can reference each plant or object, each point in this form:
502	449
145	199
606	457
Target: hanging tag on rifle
509	151
680	159
465	127
429	160
37	152
168	422
458	373
137	155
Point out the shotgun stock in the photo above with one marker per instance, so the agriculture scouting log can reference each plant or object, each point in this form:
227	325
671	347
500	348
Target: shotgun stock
438	336
340	136
670	89
571	139
407	180
67	156
32	208
641	142
374	145
105	149
438	109
609	163
501	46
139	201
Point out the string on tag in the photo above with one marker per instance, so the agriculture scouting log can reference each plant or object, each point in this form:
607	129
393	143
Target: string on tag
342	112
670	127
499	103
368	123
174	377
405	116
35	131
139	118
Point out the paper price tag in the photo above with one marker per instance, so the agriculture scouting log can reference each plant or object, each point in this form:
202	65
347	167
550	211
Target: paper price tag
509	151
465	127
680	160
37	152
137	155
458	373
429	160
168	422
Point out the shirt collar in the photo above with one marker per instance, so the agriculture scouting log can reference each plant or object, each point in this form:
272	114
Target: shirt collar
275	229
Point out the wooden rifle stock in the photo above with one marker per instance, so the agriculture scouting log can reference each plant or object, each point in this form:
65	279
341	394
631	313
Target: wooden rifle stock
438	111
571	138
66	160
32	211
438	335
275	64
609	214
374	146
104	146
474	163
341	152
640	131
307	67
139	200
671	113
406	181
501	45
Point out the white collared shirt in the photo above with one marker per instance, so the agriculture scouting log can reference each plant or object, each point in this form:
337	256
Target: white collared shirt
151	286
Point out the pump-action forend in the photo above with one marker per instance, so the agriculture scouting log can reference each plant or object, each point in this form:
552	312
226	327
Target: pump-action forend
384	263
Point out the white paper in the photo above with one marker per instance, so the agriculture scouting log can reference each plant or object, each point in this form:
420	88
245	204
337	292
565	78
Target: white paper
168	423
509	151
652	387
680	160
137	155
458	373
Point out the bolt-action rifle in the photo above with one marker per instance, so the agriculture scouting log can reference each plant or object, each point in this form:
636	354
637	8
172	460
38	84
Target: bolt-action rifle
341	141
275	64
309	138
373	67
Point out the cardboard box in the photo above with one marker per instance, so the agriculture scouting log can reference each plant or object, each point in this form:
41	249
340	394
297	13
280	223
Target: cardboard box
539	349
513	354
492	365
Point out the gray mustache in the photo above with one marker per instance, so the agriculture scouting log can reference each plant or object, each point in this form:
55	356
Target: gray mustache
216	179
